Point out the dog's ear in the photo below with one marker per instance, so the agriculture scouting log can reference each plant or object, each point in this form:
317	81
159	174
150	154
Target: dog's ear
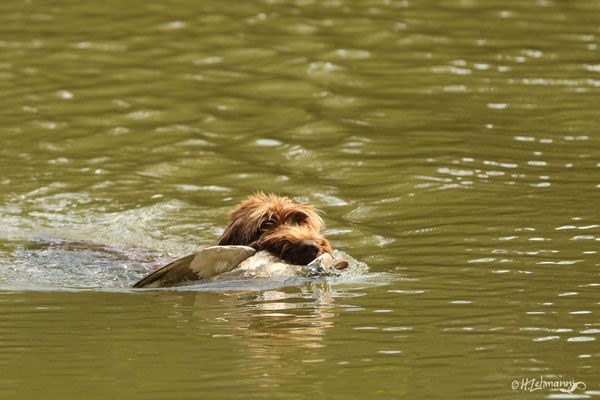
234	234
244	224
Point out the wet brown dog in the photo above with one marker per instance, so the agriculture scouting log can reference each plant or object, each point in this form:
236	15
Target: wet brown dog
286	229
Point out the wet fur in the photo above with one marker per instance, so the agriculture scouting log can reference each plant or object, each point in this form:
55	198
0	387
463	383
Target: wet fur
277	224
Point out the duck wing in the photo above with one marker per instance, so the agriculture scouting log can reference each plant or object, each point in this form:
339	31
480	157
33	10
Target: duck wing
202	264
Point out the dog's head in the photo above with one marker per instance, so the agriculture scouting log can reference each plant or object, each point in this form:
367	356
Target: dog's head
277	224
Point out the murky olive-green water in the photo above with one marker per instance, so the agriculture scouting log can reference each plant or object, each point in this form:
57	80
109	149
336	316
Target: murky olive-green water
453	146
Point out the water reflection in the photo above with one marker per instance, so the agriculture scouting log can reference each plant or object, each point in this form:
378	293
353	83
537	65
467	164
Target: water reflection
268	329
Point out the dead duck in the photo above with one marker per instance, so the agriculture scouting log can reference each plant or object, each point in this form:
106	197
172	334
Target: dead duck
229	261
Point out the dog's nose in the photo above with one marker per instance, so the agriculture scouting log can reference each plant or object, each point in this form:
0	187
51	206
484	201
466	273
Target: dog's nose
308	250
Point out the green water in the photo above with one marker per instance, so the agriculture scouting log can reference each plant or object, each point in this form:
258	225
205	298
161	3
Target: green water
453	147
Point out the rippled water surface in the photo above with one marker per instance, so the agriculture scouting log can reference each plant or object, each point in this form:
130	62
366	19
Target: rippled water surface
453	147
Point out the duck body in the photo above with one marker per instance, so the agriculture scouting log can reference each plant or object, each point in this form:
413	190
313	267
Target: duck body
218	263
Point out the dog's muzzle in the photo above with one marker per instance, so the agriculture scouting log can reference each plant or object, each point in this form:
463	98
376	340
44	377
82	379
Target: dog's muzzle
306	251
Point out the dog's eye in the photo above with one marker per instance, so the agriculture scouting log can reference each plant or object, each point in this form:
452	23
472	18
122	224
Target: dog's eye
267	224
300	219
